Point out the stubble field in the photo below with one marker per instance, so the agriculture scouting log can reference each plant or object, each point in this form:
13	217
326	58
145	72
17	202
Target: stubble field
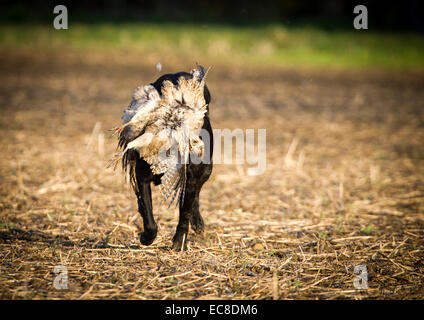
344	185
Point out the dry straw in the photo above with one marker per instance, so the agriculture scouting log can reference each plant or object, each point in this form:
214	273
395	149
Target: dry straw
343	187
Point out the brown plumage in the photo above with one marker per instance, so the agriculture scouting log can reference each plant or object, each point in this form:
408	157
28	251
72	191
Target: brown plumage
164	130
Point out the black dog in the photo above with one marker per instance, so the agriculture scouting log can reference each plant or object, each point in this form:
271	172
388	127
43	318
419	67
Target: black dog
141	177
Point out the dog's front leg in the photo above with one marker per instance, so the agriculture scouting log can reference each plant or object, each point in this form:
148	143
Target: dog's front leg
144	200
180	238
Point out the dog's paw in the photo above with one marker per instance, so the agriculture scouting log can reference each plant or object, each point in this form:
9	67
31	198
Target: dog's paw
179	242
147	237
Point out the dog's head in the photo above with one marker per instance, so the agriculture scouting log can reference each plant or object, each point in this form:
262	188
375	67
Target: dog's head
145	98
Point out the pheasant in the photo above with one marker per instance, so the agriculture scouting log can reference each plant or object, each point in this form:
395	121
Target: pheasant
162	127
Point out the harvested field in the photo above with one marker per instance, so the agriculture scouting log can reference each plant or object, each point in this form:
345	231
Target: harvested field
344	185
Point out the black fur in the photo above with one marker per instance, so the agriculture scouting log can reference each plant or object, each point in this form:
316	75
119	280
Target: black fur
141	178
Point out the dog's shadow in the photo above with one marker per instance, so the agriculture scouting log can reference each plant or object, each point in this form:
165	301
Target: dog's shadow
35	236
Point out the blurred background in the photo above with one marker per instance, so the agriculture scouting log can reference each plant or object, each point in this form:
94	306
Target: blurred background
274	33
